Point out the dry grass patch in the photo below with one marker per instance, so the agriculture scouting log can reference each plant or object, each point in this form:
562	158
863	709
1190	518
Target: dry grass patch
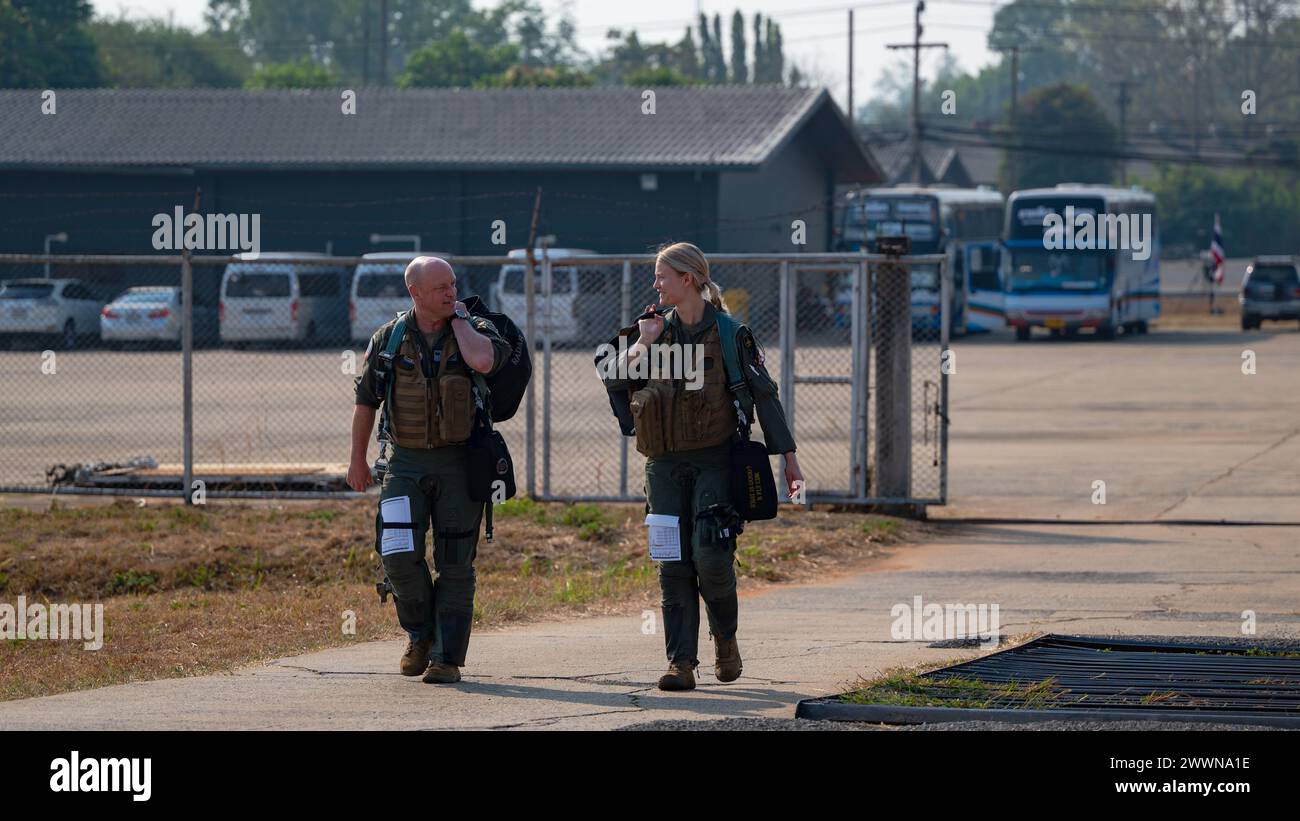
189	591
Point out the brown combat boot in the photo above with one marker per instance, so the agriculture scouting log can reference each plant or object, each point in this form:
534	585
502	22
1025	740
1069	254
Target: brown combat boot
680	676
416	657
440	672
726	663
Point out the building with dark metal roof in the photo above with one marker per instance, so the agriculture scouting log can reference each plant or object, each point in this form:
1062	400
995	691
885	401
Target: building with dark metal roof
727	167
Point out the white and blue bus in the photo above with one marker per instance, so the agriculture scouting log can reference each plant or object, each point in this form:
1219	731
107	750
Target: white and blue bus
1081	256
939	220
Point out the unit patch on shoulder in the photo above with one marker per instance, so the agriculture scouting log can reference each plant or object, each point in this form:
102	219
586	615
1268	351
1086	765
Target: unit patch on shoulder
755	352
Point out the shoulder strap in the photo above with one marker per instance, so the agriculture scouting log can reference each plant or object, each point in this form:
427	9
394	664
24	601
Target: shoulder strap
728	330
387	356
395	336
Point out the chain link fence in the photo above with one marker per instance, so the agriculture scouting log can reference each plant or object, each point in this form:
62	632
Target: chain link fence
95	370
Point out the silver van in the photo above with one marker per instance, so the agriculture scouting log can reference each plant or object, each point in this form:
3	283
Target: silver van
563	319
271	299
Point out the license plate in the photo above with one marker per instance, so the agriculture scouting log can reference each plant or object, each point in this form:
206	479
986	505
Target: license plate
19	313
1054	322
133	316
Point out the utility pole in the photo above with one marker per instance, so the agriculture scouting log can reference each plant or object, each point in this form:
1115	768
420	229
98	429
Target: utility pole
916	45
850	109
1012	153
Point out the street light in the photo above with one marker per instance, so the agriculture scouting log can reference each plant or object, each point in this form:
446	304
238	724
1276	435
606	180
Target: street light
62	236
375	239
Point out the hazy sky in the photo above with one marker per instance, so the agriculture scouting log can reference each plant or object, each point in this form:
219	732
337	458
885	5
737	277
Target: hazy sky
815	30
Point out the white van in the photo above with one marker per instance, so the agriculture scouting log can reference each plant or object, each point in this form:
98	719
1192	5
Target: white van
379	290
269	299
508	293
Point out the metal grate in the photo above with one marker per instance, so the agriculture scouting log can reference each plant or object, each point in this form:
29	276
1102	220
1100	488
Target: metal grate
1082	673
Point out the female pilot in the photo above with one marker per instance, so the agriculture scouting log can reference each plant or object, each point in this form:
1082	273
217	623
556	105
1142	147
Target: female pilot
686	435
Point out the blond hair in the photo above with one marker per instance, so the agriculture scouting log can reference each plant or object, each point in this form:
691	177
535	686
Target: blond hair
685	258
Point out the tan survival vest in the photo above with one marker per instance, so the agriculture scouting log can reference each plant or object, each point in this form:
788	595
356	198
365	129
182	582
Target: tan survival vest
430	413
671	417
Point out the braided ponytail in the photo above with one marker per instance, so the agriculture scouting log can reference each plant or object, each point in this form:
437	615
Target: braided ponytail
715	296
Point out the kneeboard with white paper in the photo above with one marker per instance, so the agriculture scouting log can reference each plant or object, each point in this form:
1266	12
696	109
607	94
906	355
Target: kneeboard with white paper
399	539
665	537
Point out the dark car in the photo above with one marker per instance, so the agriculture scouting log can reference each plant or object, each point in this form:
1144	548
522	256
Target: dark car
1271	290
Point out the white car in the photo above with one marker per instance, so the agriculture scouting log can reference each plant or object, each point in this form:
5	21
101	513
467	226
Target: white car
152	313
379	290
64	311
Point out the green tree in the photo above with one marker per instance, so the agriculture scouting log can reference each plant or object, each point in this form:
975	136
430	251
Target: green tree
1257	207
739	69
688	59
156	54
1064	135
525	76
301	73
774	56
661	76
47	44
456	61
718	60
347	36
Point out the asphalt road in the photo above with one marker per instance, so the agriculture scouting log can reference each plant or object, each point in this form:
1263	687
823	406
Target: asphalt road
1168	421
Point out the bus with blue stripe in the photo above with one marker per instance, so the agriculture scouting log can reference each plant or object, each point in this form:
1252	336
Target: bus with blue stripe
1081	257
939	220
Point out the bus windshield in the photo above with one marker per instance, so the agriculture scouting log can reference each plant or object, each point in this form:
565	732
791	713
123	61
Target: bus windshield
872	217
1038	269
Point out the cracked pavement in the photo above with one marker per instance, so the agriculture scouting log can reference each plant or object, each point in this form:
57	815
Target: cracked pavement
1170	424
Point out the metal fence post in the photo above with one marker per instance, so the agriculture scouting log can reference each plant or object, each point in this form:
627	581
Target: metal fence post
547	322
786	335
624	319
530	419
893	381
942	415
861	391
187	378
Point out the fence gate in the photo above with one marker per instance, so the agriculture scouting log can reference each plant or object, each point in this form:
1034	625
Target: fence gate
822	356
862	373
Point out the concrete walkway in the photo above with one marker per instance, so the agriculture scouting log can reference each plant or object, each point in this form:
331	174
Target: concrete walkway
798	641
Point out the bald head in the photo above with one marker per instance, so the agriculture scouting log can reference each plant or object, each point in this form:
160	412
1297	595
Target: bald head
428	270
432	285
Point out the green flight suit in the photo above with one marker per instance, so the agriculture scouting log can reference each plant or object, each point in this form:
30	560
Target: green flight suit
695	486
435	480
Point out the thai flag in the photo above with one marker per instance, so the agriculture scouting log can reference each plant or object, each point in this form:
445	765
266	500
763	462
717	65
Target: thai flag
1216	250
